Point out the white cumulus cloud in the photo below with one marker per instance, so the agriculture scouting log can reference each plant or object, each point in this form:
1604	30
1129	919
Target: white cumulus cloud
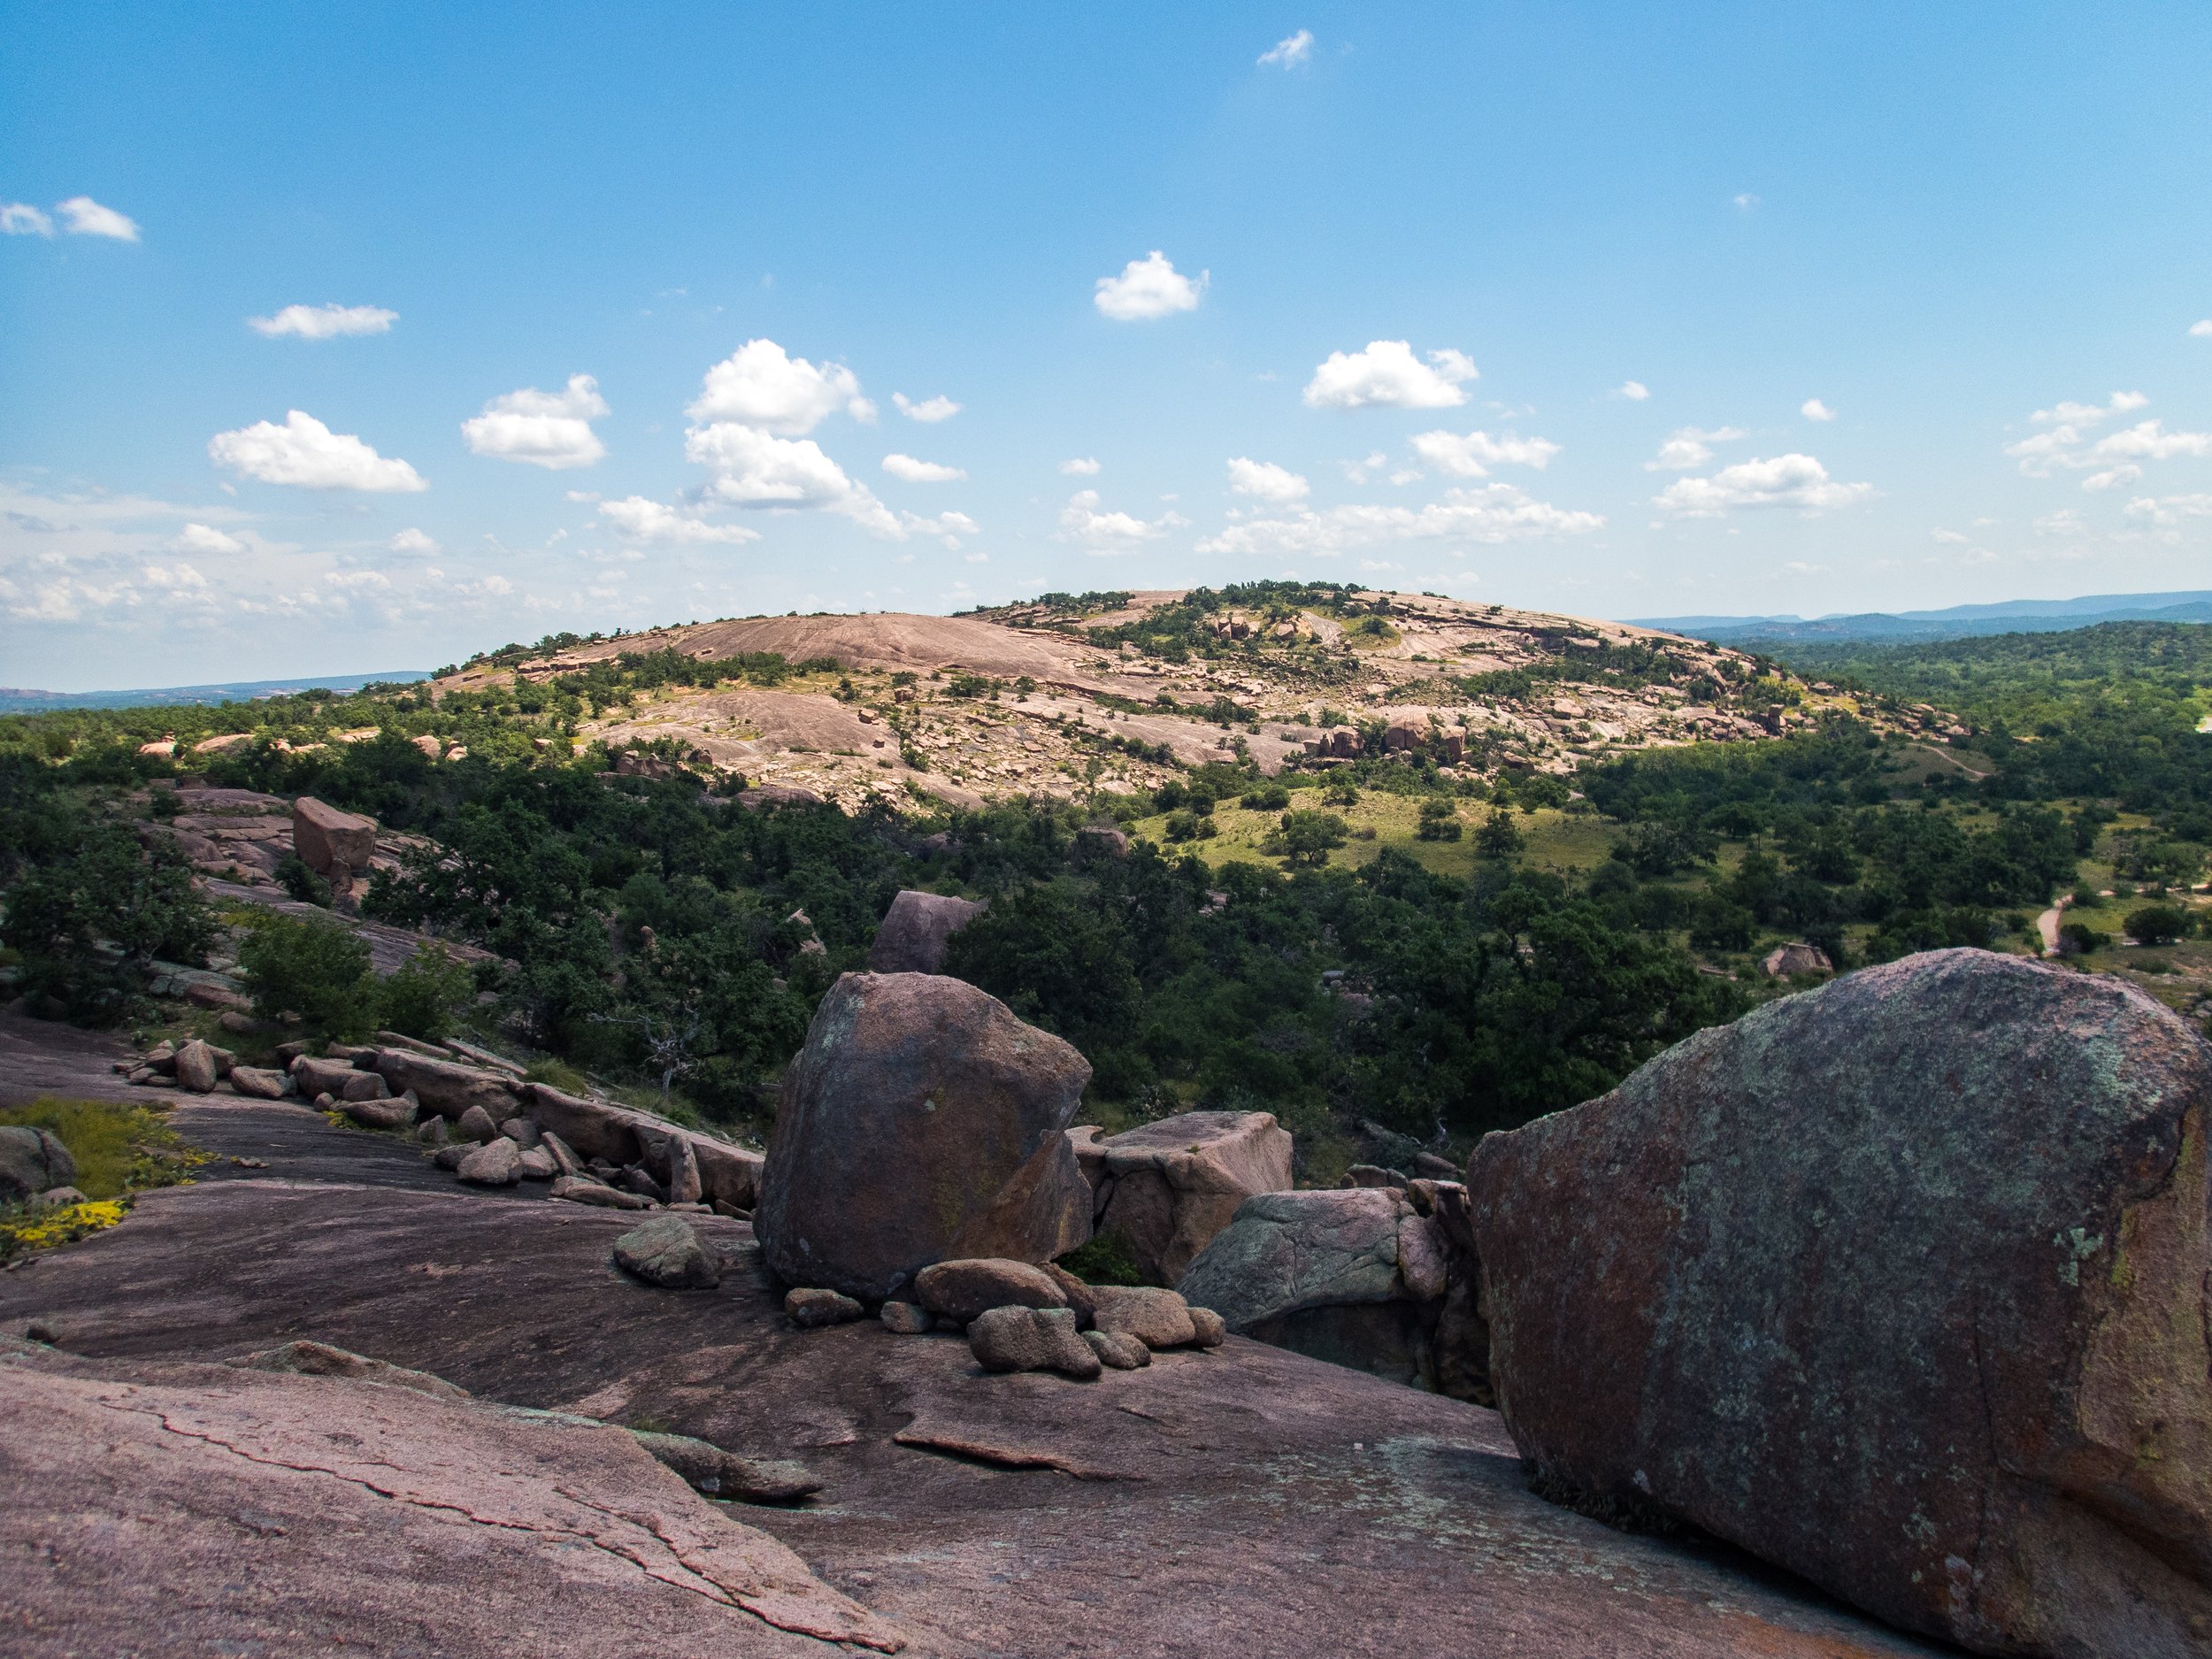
324	322
1148	287
1473	454
1813	409
761	385
1080	466
1387	375
81	215
203	537
2149	440
1787	481
1690	447
20	219
2168	510
1487	514
2090	414
636	518
413	543
1082	521
177	576
752	468
930	410
914	472
1635	391
548	429
1290	51
2201	330
306	453
1266	481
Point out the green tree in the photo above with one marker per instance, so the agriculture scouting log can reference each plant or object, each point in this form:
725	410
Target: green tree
424	996
1499	837
1307	837
2157	925
311	966
96	909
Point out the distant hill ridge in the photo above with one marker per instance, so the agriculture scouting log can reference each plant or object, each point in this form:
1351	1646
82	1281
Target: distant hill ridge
2015	616
15	700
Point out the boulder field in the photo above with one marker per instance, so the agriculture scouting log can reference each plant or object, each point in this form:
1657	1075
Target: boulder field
1901	1283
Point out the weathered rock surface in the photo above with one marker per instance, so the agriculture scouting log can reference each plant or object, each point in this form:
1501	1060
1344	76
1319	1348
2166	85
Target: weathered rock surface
706	1468
257	1082
579	1191
1899	1283
956	1292
306	1358
475	1124
810	1307
194	1067
1031	1338
905	1318
447	1087
133	1490
1117	1351
1166	1188
328	840
916	930
496	1162
31	1160
921	1123
600	1129
668	1251
380	1114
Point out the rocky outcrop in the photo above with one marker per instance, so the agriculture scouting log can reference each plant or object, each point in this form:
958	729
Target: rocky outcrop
1357	1276
445	1086
921	1123
32	1161
1033	1339
916	930
1166	1188
600	1129
1899	1284
332	843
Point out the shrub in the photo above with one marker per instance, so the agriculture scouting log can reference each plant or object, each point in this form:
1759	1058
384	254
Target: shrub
1105	1260
302	883
1189	825
2077	939
313	967
1306	838
91	919
1271	797
2157	925
425	997
1438	822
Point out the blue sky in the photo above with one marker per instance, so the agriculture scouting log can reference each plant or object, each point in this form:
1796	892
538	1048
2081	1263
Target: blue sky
1521	303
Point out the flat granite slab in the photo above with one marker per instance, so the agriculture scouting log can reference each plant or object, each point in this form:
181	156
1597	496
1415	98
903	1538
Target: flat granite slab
1246	1501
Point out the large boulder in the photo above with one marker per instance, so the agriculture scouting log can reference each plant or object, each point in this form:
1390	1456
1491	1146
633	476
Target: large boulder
328	840
1898	1283
444	1086
32	1161
916	929
921	1123
1166	1188
1351	1275
957	1292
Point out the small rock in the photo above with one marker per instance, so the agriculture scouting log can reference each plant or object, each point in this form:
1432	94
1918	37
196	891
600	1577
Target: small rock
1117	1352
1435	1168
195	1067
904	1318
1031	1338
564	1160
810	1309
537	1164
325	1101
257	1083
1209	1328
956	1292
1158	1318
521	1131
449	1158
668	1251
494	1164
635	1180
365	1086
380	1114
433	1131
732	1212
579	1191
710	1470
1371	1175
55	1198
476	1125
1077	1294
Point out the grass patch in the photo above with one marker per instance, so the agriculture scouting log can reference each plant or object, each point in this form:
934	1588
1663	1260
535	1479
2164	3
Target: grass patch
121	1150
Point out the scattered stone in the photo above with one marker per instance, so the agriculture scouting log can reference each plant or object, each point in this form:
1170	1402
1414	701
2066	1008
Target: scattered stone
521	1131
1075	1292
475	1124
256	1083
325	1101
956	1292
916	930
447	1085
54	1198
904	1318
321	1359
32	1161
366	1086
811	1308
196	1068
579	1191
709	1469
536	1165
1031	1338
312	1077
1371	1176
1158	1318
494	1164
921	1123
668	1251
1208	1328
163	1057
1117	1351
433	1131
600	1129
1436	1169
1166	1188
329	842
636	1180
1891	1283
394	1039
380	1114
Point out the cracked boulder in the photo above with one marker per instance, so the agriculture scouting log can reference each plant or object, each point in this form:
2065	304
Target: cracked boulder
1166	1188
668	1251
135	1490
1899	1284
921	1123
